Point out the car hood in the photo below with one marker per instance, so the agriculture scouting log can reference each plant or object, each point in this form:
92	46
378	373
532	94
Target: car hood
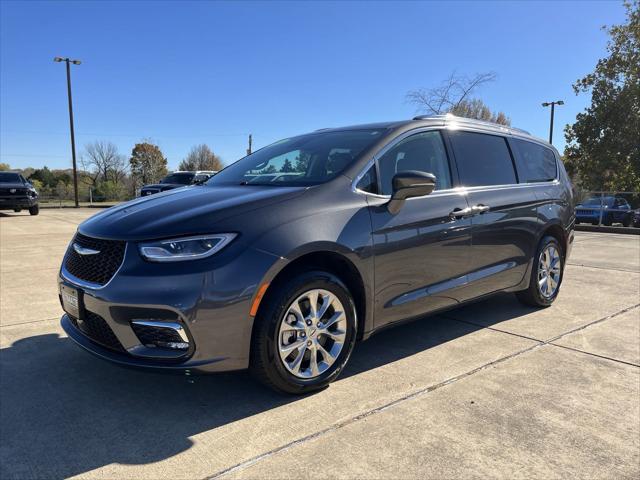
182	211
164	185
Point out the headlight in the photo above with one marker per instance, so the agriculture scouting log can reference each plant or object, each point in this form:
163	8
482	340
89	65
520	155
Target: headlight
189	248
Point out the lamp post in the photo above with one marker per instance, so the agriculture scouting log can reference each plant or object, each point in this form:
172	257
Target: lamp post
68	61
553	109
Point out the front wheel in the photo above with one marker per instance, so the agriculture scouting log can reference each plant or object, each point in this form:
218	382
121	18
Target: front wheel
34	210
546	275
304	335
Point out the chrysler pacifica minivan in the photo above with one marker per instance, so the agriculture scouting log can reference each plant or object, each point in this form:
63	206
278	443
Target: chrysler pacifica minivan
287	257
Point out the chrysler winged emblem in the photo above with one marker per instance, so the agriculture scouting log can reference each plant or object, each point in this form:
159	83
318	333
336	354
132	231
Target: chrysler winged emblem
84	251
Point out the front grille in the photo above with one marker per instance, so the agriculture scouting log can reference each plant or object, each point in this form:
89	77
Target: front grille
18	191
97	329
97	268
152	336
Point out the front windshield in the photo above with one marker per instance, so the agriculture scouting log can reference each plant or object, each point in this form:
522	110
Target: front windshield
8	177
181	178
300	161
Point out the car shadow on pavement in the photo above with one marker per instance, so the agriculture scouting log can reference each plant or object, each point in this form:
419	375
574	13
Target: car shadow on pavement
64	412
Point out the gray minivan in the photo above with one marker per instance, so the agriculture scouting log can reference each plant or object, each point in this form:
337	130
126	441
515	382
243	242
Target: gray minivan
287	257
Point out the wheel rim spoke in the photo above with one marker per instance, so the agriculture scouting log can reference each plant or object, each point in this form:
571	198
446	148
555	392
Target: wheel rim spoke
294	366
313	303
285	350
327	301
336	317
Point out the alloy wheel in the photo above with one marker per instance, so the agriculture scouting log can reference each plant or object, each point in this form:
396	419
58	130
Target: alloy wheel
549	270
312	333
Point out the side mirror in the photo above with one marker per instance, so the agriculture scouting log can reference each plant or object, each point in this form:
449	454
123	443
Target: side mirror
409	184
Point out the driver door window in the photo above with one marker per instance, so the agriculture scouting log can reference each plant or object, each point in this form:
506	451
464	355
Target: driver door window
424	152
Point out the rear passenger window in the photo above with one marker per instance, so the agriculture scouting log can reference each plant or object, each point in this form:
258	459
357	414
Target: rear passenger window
535	162
482	159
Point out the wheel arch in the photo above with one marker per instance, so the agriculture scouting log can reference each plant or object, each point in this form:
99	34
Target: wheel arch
331	261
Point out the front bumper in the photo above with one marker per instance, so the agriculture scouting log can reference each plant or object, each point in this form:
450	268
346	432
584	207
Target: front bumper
211	299
12	202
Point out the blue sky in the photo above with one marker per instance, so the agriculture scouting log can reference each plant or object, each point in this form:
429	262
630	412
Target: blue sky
183	73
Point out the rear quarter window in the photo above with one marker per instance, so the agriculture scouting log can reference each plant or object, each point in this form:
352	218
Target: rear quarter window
482	159
536	163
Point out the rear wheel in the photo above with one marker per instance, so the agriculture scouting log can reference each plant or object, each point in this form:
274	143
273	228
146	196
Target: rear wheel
17	210
546	275
34	210
627	221
304	335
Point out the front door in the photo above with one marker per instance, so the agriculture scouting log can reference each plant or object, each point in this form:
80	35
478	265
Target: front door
422	253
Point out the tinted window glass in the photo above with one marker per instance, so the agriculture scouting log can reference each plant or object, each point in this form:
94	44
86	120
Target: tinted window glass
181	178
535	162
369	181
424	152
9	177
300	161
482	159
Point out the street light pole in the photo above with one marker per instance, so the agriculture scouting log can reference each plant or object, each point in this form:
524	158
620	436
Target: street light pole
73	136
553	110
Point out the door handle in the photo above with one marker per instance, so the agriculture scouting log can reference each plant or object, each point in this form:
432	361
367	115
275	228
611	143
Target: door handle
480	208
461	213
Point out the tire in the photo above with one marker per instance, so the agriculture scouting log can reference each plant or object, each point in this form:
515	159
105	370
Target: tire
270	332
626	222
34	210
607	221
535	296
17	210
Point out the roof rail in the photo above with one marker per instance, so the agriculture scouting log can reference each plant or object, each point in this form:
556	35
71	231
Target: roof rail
472	121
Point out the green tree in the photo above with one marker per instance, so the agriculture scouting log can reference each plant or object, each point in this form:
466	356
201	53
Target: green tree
287	166
476	109
201	157
45	176
603	145
302	162
147	164
4	167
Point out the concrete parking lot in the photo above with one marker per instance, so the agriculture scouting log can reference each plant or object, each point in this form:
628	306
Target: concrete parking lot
493	389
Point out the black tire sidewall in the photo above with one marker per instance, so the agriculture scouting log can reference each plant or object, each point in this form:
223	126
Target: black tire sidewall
274	313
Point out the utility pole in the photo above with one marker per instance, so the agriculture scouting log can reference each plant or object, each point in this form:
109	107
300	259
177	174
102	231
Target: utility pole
553	110
249	149
68	61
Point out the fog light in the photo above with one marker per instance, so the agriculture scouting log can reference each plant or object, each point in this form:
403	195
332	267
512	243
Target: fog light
161	334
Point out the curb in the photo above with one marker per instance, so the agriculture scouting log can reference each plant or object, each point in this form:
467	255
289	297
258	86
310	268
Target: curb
604	229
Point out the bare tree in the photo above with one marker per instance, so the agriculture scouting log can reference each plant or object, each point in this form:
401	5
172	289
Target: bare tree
201	157
102	162
454	96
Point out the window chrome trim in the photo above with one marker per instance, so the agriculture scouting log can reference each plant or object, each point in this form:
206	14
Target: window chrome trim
66	275
462	190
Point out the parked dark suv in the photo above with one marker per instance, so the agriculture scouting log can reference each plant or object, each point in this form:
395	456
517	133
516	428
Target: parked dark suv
177	180
17	193
379	224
